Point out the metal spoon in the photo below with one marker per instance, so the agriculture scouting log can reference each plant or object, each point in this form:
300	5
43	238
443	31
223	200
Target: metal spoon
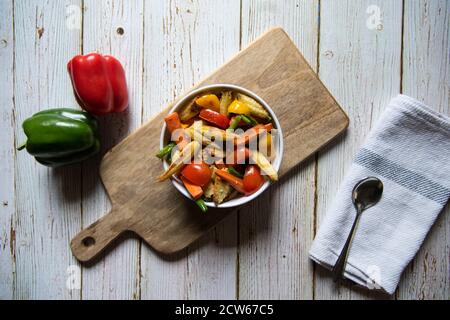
365	194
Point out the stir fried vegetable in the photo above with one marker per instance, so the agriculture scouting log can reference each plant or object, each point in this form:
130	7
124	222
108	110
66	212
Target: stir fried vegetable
225	101
229	163
234	181
235	122
264	164
201	204
166	150
173	122
221	190
209	188
238	107
197	173
255	109
188	152
265	145
209	134
190	111
252	179
234	172
249	120
194	190
215	118
252	133
209	101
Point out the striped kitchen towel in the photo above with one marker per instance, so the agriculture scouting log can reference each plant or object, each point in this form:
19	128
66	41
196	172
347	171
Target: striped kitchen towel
409	150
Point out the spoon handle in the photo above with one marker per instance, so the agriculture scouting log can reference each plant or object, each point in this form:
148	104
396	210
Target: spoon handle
339	267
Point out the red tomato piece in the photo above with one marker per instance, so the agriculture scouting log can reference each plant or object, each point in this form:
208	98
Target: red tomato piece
253	179
197	173
215	118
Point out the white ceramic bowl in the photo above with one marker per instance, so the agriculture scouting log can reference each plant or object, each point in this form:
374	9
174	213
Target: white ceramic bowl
165	136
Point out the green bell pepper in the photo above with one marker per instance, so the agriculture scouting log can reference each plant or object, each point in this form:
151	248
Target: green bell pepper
62	136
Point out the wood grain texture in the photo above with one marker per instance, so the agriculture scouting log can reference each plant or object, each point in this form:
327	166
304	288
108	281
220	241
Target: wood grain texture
7	153
47	201
113	27
361	68
426	76
277	70
277	230
176	35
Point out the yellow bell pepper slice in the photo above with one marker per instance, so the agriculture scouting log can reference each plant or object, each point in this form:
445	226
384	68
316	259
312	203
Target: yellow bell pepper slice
265	145
238	107
209	101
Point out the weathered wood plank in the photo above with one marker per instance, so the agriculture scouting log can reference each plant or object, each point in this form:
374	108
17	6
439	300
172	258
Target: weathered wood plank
185	41
360	65
47	200
7	152
275	233
426	76
116	28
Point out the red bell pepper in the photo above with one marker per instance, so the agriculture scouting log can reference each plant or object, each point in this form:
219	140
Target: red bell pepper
215	118
99	83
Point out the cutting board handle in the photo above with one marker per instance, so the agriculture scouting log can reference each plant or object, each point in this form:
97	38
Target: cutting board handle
91	241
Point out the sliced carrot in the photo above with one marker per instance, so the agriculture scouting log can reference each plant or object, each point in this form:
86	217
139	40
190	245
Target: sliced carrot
194	190
173	122
234	181
253	132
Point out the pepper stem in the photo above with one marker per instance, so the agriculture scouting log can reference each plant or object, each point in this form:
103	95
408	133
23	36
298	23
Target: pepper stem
23	145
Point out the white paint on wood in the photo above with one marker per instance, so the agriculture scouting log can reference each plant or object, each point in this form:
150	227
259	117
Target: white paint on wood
426	76
116	276
360	65
7	153
47	200
184	42
277	230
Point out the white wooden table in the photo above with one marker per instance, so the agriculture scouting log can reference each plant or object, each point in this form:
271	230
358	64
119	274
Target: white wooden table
364	51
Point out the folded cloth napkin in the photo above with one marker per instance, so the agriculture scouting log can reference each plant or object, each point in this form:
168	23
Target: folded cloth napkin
409	151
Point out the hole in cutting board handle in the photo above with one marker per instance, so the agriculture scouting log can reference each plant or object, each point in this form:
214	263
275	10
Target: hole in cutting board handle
88	241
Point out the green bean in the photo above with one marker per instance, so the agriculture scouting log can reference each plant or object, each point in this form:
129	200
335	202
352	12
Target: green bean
249	120
166	150
201	204
234	172
234	124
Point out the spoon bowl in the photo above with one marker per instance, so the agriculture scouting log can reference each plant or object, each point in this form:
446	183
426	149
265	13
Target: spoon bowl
367	193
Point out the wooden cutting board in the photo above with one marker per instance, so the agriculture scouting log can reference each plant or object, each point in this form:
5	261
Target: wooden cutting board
273	68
